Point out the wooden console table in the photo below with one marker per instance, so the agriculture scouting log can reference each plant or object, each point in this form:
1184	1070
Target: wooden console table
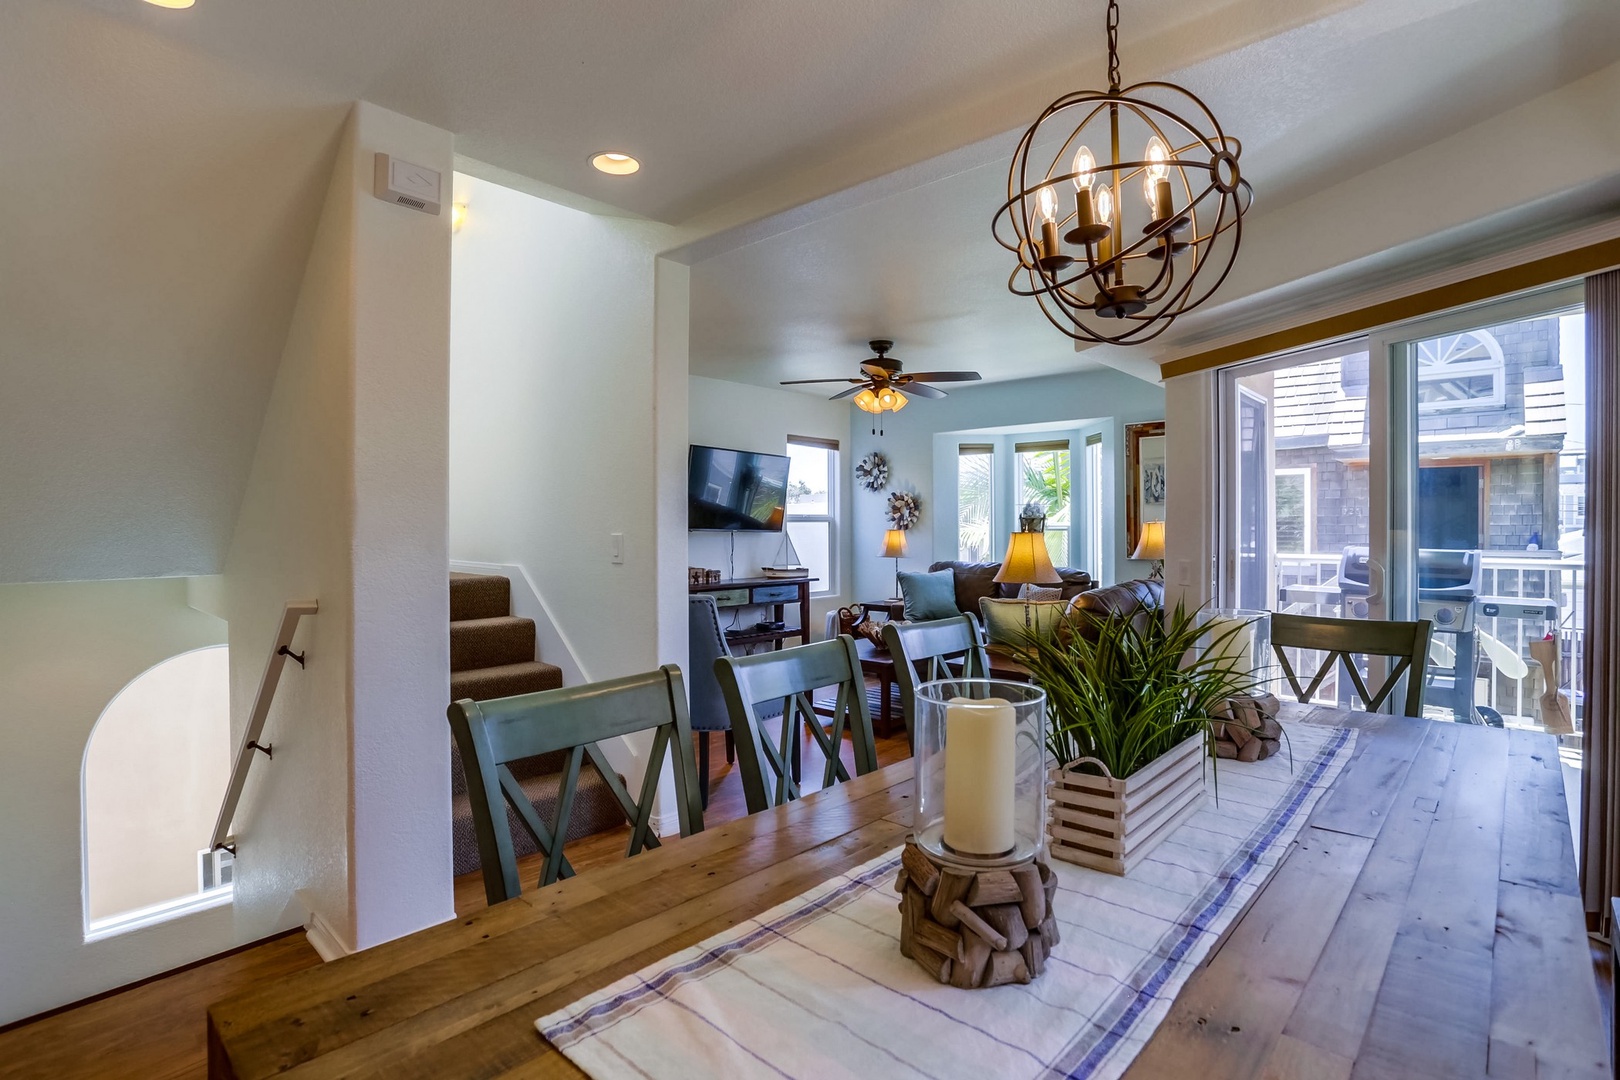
775	593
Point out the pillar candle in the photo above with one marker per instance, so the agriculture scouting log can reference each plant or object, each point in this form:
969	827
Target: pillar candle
980	746
1238	648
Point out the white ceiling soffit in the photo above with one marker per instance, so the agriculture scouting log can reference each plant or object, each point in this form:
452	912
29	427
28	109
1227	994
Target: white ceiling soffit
1368	135
160	209
737	108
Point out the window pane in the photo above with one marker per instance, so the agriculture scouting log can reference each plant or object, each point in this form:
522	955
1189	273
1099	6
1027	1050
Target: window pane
809	479
975	494
1043	479
813	541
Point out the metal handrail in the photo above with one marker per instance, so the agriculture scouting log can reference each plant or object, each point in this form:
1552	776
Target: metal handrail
279	654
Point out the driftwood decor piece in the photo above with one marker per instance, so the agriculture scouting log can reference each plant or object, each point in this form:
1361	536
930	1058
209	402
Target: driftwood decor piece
975	929
1111	825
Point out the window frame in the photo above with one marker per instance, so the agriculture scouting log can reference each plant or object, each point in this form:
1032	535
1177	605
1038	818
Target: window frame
830	586
1307	477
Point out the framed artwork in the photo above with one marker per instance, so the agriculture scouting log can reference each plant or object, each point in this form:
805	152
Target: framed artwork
1145	470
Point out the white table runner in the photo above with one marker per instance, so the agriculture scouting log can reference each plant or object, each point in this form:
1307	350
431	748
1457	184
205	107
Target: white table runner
816	988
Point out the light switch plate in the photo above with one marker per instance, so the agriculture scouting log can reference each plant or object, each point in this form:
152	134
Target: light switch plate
405	184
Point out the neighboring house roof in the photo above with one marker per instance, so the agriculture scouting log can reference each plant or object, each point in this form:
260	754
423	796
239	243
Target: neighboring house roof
1312	409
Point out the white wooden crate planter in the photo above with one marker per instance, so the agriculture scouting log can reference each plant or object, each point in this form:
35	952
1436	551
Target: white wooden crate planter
1110	824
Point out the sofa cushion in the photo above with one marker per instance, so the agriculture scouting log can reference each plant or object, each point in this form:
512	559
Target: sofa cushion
1141	599
928	596
1004	620
975	581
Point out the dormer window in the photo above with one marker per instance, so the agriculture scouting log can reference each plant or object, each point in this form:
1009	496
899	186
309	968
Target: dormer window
1460	371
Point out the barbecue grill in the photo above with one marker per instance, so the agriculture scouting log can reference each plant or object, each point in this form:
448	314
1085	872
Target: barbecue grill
1448	594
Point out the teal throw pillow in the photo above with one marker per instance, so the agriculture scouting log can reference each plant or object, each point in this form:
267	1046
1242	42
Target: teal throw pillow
929	596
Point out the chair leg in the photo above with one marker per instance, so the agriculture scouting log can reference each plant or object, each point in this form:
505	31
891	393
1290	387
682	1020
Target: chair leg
731	749
703	767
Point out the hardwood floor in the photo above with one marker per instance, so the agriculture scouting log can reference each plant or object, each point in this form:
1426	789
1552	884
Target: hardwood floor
155	1030
152	1031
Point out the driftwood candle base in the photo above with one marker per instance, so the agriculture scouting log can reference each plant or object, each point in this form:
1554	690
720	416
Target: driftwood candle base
975	928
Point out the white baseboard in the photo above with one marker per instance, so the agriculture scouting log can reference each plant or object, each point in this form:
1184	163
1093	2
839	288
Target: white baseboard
324	939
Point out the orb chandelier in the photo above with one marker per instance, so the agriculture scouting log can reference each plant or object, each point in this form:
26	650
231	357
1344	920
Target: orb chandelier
1107	263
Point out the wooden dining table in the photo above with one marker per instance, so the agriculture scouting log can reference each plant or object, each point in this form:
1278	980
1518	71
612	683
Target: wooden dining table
1425	923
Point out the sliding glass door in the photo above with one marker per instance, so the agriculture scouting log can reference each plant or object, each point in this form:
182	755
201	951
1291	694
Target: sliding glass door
1434	470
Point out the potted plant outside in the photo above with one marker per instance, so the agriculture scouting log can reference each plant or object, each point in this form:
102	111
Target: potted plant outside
1130	700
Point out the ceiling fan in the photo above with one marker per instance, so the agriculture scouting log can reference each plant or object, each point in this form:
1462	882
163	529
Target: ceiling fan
880	390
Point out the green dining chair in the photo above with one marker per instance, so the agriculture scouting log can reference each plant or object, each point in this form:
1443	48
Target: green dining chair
766	758
923	652
574	719
1405	642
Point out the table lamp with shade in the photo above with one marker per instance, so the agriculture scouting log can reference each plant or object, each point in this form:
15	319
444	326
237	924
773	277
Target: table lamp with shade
1027	563
894	547
1150	546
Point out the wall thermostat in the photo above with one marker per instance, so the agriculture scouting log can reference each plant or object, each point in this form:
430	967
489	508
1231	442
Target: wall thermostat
404	184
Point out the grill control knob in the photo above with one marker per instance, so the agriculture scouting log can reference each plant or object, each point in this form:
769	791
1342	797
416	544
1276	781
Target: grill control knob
1445	616
1359	609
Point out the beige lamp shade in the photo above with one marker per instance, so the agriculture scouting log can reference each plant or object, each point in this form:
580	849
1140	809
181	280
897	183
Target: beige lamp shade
1150	543
894	544
1027	561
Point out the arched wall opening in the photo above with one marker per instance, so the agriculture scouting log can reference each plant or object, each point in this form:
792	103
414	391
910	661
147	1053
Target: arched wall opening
155	770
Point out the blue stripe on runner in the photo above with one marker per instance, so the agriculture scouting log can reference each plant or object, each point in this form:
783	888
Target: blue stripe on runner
1121	1028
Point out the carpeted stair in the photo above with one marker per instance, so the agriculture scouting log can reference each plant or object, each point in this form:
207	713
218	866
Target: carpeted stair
492	655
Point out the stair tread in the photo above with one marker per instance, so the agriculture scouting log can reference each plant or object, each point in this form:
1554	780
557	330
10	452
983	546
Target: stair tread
475	596
490	622
506	680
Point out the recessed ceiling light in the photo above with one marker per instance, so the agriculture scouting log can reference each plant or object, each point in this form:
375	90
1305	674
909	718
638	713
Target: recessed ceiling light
171	3
615	164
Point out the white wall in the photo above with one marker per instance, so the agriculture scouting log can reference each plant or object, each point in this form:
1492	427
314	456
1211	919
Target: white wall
741	417
1190	488
553	425
908	441
346	504
66	650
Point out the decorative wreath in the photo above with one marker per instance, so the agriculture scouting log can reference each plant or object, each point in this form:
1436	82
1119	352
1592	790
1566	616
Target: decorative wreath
905	510
872	472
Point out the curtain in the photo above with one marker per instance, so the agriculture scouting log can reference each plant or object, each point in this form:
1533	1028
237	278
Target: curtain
1600	796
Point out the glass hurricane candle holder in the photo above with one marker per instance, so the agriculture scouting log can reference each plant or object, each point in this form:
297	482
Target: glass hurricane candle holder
1240	638
980	762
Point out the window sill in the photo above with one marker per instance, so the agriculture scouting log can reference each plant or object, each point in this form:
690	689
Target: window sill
141	918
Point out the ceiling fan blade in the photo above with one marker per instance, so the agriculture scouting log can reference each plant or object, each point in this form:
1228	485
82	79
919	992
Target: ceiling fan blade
851	392
803	382
922	390
945	376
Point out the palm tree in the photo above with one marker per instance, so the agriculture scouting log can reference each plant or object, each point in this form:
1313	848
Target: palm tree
973	496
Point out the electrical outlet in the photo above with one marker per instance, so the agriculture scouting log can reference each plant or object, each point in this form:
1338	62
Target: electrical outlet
616	546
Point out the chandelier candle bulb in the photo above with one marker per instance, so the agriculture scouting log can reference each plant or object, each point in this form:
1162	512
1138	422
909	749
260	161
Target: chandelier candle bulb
980	751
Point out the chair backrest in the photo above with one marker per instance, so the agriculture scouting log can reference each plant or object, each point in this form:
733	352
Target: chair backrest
790	676
1407	642
920	651
574	719
707	643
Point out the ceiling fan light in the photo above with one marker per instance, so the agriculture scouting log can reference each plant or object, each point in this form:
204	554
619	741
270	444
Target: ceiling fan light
897	401
866	401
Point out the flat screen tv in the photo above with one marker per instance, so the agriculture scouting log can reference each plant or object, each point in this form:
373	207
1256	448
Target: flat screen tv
735	490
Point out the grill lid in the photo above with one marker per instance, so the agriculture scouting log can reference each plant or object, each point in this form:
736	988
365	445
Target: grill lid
1441	572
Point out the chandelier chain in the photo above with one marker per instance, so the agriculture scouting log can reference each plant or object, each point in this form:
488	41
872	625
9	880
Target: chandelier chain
1113	45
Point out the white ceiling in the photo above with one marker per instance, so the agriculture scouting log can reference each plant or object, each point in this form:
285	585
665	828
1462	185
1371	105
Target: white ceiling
1315	105
737	108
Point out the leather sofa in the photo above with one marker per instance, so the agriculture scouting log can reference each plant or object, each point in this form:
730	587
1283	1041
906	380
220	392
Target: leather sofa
974	581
